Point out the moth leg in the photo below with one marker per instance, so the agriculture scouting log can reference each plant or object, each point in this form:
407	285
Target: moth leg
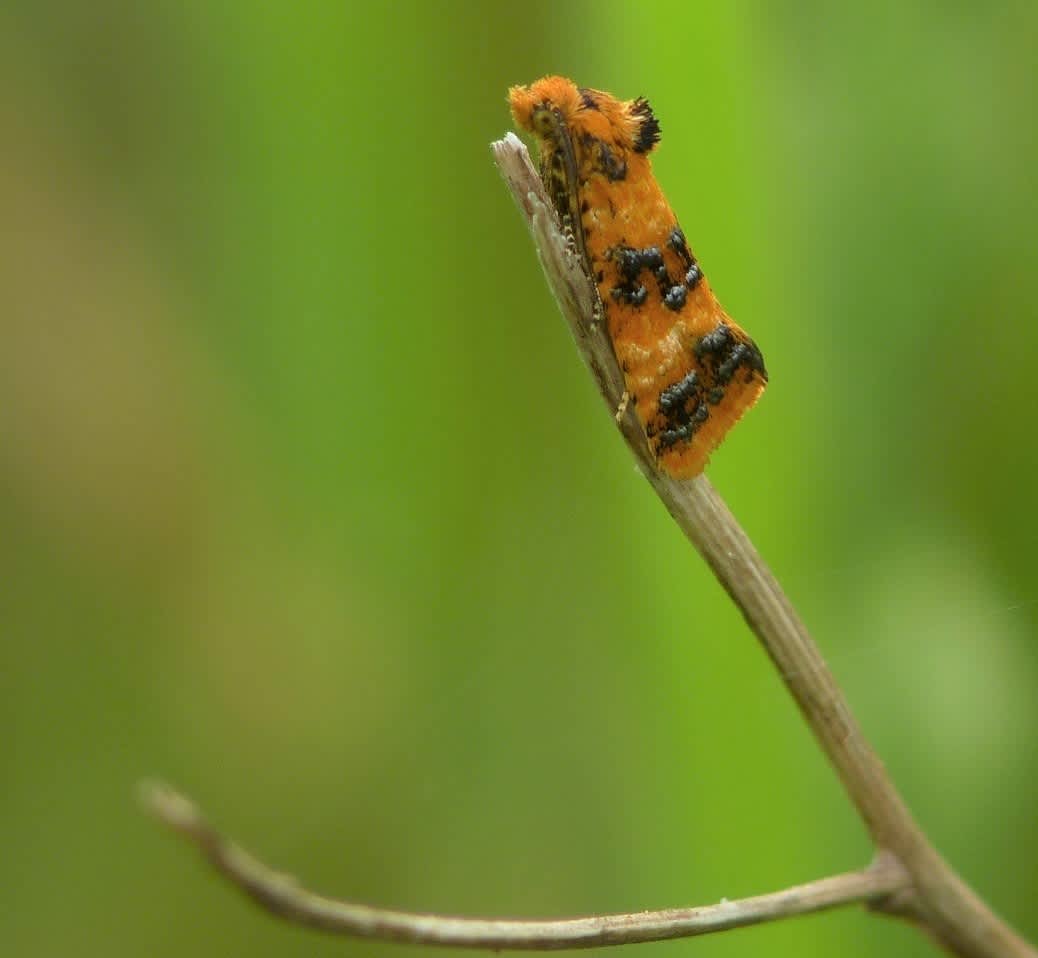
621	409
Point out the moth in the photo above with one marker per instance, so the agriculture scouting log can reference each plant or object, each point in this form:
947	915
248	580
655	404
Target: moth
690	372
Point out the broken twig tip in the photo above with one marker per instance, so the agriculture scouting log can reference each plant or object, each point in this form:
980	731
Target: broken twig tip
169	806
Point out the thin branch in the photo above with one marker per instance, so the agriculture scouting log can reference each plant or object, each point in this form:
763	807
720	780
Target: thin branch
939	899
282	895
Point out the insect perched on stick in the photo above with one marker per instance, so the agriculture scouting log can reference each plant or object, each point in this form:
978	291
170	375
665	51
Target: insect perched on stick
690	371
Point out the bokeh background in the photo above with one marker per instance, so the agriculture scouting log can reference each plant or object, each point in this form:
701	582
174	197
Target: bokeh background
307	504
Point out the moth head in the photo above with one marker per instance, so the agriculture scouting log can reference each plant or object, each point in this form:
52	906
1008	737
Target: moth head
554	104
542	107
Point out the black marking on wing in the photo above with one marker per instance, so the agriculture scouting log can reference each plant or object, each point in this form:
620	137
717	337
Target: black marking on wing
587	98
631	261
683	409
722	353
648	132
615	169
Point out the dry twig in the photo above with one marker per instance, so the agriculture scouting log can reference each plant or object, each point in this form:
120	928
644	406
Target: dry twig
908	878
282	895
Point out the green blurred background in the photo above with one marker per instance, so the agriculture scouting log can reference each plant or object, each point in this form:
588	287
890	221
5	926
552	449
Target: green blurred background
307	504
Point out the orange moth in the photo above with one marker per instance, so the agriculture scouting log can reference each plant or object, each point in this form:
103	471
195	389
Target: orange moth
689	370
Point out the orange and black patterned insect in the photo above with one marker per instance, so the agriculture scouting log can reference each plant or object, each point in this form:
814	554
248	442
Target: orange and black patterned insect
689	370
